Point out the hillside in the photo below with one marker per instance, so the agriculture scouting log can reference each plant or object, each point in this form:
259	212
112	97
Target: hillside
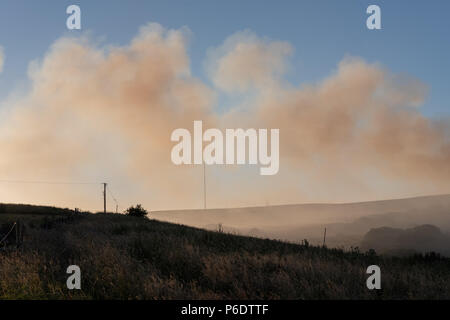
136	258
302	214
346	223
425	238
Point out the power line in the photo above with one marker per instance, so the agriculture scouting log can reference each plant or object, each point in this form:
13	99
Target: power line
48	182
112	196
106	186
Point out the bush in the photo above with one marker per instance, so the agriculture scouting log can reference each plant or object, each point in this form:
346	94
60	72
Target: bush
136	211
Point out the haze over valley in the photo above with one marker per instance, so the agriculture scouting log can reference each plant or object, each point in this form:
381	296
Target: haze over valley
347	224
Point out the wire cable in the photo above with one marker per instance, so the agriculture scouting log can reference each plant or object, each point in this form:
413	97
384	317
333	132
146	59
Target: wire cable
47	182
112	196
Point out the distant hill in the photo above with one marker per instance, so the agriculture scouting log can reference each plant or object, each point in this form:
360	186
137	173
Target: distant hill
301	214
425	238
8	208
346	223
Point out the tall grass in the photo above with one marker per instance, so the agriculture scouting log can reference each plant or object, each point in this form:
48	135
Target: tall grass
133	258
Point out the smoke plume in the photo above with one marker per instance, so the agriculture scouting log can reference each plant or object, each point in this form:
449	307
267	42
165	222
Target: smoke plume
105	113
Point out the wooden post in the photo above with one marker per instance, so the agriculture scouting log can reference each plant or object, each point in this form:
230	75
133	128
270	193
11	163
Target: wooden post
104	197
21	234
17	235
324	236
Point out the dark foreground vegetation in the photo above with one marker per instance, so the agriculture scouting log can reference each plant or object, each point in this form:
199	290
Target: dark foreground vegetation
125	257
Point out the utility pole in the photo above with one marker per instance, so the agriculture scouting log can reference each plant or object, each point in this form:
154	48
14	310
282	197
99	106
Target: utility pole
204	185
324	236
104	197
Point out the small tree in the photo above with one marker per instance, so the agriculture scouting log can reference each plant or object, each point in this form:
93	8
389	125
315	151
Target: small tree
137	211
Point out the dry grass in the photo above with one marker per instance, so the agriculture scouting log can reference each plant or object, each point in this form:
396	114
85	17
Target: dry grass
133	258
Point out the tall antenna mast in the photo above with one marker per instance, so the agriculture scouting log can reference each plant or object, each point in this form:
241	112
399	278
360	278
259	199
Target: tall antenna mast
204	185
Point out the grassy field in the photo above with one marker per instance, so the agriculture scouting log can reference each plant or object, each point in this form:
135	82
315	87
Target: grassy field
136	258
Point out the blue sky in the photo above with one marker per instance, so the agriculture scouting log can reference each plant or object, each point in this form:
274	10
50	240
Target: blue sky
414	39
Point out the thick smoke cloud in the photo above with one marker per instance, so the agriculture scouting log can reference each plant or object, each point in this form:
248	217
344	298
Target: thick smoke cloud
98	113
246	62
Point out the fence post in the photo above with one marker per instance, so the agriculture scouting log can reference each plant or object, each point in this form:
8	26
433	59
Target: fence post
21	234
17	236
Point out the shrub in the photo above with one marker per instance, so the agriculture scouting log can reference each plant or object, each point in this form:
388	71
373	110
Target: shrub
137	211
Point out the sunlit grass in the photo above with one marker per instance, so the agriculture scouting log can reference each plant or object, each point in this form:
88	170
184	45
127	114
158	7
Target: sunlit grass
135	258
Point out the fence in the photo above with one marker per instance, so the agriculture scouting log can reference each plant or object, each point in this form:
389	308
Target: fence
14	236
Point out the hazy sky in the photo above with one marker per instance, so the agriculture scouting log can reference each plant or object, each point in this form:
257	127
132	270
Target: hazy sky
414	38
363	114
